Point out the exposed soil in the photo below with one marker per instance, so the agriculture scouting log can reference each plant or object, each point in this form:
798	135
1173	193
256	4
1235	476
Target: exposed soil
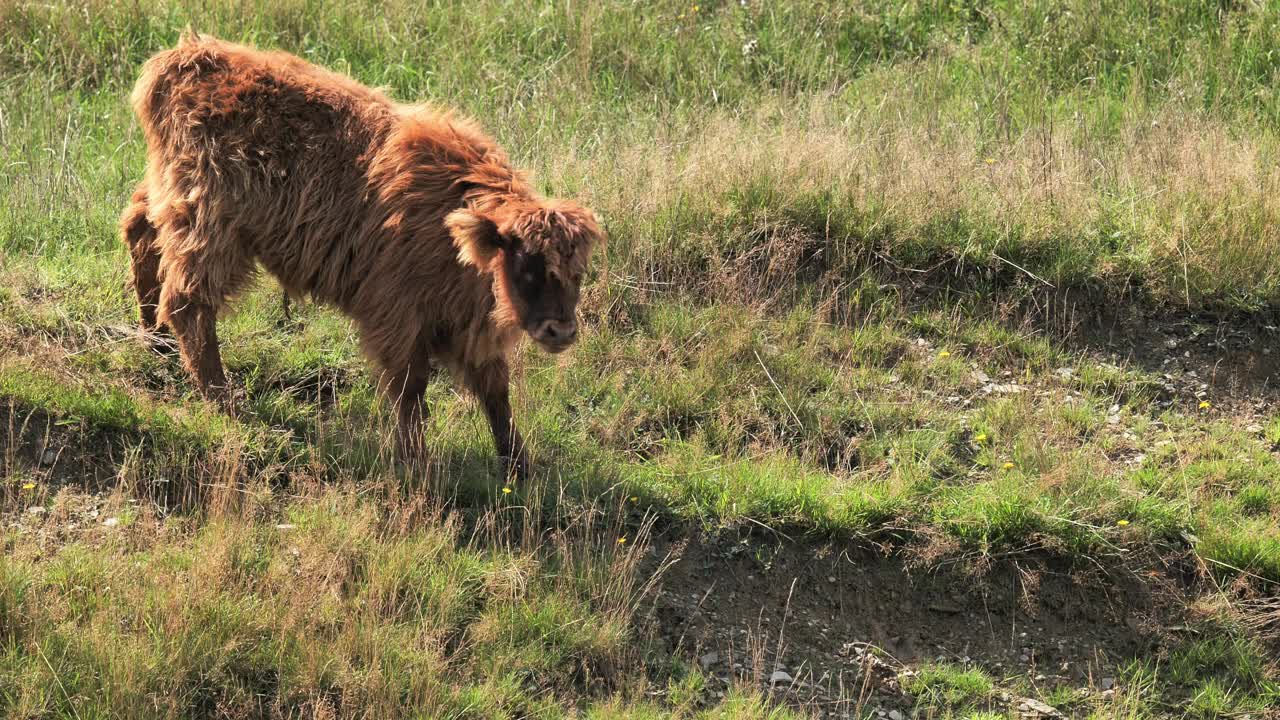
52	451
1234	363
844	624
1232	357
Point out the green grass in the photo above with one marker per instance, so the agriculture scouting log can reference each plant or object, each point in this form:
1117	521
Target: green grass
824	440
831	228
331	610
942	684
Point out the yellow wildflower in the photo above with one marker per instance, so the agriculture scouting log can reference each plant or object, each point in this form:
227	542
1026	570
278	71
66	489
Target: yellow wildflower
1008	466
622	541
944	354
1122	523
1204	405
28	486
980	437
506	491
989	161
635	499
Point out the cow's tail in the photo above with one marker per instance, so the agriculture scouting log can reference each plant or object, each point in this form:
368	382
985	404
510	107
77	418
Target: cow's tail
137	232
139	235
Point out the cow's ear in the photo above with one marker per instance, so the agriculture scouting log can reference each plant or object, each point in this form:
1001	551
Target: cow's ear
475	236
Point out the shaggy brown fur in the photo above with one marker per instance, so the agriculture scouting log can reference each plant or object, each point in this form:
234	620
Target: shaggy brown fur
410	220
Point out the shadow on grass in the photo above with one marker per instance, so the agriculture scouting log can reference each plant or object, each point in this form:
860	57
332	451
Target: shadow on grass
1233	351
176	467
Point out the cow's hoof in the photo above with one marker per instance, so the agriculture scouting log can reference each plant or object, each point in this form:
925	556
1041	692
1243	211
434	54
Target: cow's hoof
231	399
515	471
158	341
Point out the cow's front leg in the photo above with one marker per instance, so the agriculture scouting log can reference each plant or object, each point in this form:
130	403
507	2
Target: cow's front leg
194	324
406	389
491	383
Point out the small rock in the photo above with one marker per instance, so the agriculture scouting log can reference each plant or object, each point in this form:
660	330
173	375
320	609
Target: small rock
709	660
36	510
895	715
48	456
111	522
286	526
1035	708
1107	683
778	677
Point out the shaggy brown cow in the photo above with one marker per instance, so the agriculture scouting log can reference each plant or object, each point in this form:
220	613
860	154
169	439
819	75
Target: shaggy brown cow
410	220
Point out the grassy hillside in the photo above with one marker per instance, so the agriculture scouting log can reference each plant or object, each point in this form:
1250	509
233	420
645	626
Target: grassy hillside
983	285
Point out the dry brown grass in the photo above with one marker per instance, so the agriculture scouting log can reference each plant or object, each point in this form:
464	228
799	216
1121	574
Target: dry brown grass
1173	199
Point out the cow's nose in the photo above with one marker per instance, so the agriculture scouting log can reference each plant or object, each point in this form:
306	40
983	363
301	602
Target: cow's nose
557	333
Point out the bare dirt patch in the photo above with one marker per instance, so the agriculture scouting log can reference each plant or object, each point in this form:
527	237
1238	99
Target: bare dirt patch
835	627
1232	362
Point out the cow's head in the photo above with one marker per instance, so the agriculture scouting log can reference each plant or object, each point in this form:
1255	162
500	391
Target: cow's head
537	254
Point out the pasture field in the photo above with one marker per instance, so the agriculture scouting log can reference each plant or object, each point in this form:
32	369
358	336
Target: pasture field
931	370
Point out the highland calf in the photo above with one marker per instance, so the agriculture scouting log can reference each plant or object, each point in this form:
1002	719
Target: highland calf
410	220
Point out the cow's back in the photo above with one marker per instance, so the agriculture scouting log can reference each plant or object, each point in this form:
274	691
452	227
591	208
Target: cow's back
263	151
254	110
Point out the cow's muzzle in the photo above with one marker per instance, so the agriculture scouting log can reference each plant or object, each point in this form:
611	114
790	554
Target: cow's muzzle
555	336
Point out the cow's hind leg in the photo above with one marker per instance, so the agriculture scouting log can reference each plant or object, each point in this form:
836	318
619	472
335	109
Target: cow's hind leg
198	277
140	236
491	383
